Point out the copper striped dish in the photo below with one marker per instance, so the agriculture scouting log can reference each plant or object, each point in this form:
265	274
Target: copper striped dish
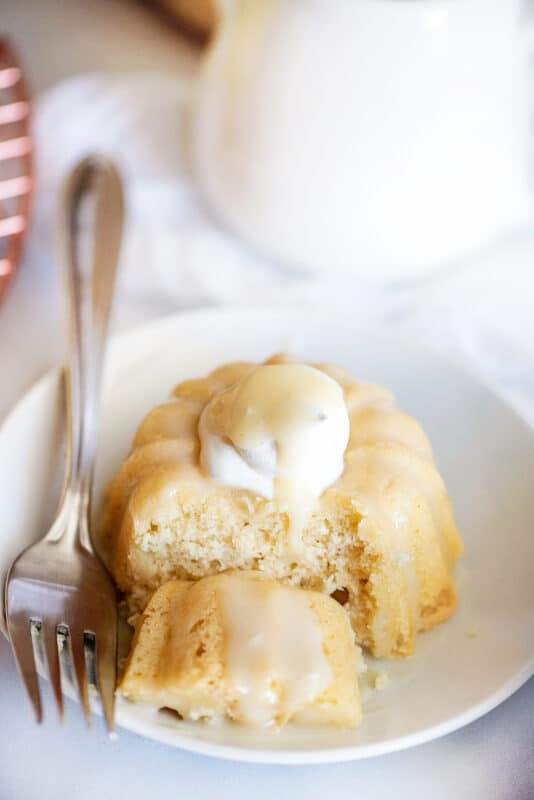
15	163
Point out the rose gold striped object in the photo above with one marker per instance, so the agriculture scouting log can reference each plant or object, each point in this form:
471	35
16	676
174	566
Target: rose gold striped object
15	163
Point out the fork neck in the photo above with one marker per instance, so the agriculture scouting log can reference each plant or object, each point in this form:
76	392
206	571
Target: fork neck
89	235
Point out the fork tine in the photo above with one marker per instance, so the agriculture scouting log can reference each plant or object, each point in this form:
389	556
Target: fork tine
77	649
49	634
106	670
19	629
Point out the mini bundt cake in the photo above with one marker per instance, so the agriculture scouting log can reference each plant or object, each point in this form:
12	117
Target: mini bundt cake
247	648
381	538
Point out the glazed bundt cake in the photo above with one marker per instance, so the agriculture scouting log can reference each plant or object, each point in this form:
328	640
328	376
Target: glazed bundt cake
247	648
381	538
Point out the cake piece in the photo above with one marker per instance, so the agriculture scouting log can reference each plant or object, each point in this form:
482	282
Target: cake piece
382	536
246	648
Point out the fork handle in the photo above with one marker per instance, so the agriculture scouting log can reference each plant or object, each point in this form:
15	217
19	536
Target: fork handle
90	223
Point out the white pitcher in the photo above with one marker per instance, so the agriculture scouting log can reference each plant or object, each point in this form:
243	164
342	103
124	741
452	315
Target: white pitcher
381	138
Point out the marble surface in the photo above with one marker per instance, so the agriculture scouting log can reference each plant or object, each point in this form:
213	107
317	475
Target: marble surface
490	759
480	313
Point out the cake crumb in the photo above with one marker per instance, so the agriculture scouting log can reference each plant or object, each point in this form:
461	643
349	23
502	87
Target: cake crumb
472	633
381	681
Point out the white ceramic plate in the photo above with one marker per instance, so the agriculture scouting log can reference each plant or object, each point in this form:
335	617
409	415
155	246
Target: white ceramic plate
463	668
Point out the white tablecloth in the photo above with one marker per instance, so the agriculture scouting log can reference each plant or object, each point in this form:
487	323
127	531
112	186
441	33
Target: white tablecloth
481	314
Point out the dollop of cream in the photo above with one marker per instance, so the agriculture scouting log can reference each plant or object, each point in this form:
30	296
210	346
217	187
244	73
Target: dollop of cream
280	432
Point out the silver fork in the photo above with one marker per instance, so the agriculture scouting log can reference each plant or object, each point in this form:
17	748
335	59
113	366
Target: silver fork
58	593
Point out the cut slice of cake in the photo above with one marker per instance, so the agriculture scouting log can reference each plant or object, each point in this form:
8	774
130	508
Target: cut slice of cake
246	648
382	536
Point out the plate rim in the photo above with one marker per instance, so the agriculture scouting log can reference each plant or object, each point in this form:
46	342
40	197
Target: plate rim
337	755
